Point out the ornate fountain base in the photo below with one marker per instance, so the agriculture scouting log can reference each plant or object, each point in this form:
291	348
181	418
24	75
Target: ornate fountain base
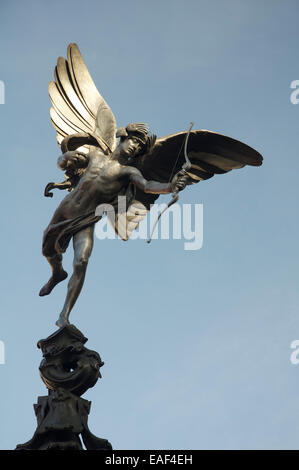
68	369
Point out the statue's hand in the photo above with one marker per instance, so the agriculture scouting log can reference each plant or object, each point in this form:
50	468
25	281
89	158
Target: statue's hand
48	189
72	160
64	185
179	181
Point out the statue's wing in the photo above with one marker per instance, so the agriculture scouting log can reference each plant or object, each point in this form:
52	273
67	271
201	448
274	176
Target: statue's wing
125	222
78	110
209	153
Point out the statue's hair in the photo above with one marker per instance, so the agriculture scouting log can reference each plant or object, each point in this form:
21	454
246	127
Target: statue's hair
149	145
139	127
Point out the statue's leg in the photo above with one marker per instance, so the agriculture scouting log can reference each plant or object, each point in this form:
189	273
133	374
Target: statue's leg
53	258
83	244
58	274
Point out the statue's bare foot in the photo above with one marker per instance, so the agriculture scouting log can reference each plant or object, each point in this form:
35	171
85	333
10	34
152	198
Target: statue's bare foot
52	282
62	321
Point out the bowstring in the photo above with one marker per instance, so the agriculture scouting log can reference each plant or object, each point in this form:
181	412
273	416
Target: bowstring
174	198
177	159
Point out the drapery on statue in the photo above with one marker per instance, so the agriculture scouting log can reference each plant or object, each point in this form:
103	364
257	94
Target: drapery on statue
98	169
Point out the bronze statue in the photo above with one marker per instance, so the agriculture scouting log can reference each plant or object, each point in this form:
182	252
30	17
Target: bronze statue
99	168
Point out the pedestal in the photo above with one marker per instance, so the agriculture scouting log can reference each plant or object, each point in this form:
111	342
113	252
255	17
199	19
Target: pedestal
68	369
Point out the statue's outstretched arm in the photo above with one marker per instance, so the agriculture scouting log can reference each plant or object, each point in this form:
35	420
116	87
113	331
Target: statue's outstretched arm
154	187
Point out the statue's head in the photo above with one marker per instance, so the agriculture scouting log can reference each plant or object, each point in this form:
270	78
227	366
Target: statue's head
135	139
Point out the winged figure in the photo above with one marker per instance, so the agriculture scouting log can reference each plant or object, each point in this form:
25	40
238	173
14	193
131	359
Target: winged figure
102	162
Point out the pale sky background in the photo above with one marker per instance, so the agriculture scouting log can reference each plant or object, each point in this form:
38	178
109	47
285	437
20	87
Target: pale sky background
196	344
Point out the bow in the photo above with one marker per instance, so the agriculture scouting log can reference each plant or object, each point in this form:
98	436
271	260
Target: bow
175	195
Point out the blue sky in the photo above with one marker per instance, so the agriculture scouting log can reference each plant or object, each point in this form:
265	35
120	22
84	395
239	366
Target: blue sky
196	344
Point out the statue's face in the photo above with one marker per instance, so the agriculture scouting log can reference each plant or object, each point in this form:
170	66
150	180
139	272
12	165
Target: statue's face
129	147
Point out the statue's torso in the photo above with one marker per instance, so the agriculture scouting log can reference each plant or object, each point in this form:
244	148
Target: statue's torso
101	183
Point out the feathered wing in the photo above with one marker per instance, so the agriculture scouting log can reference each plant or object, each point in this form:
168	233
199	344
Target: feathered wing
79	113
126	221
209	153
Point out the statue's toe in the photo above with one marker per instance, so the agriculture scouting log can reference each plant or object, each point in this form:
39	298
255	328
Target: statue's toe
44	290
